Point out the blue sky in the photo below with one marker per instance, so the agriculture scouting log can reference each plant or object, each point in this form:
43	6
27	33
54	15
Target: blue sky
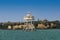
15	10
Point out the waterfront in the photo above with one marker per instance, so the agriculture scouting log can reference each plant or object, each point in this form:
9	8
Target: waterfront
49	34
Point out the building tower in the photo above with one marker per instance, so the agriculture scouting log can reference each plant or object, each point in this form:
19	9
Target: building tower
28	19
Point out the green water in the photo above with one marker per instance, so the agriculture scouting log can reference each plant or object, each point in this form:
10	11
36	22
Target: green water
33	35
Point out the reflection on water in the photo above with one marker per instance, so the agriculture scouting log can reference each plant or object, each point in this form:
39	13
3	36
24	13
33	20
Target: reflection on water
32	35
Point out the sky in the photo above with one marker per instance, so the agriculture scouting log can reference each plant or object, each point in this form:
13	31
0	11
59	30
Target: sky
15	10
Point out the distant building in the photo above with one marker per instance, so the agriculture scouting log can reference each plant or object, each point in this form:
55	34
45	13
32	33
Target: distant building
42	26
28	19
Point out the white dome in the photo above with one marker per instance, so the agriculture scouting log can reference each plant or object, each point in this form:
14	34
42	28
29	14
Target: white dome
28	14
28	17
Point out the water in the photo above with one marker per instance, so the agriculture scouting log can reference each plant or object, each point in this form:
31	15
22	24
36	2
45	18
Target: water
33	35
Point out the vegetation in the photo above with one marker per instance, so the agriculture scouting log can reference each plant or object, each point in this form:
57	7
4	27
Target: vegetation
46	22
52	24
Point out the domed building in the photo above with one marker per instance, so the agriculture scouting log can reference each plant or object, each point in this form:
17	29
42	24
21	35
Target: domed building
28	21
29	18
